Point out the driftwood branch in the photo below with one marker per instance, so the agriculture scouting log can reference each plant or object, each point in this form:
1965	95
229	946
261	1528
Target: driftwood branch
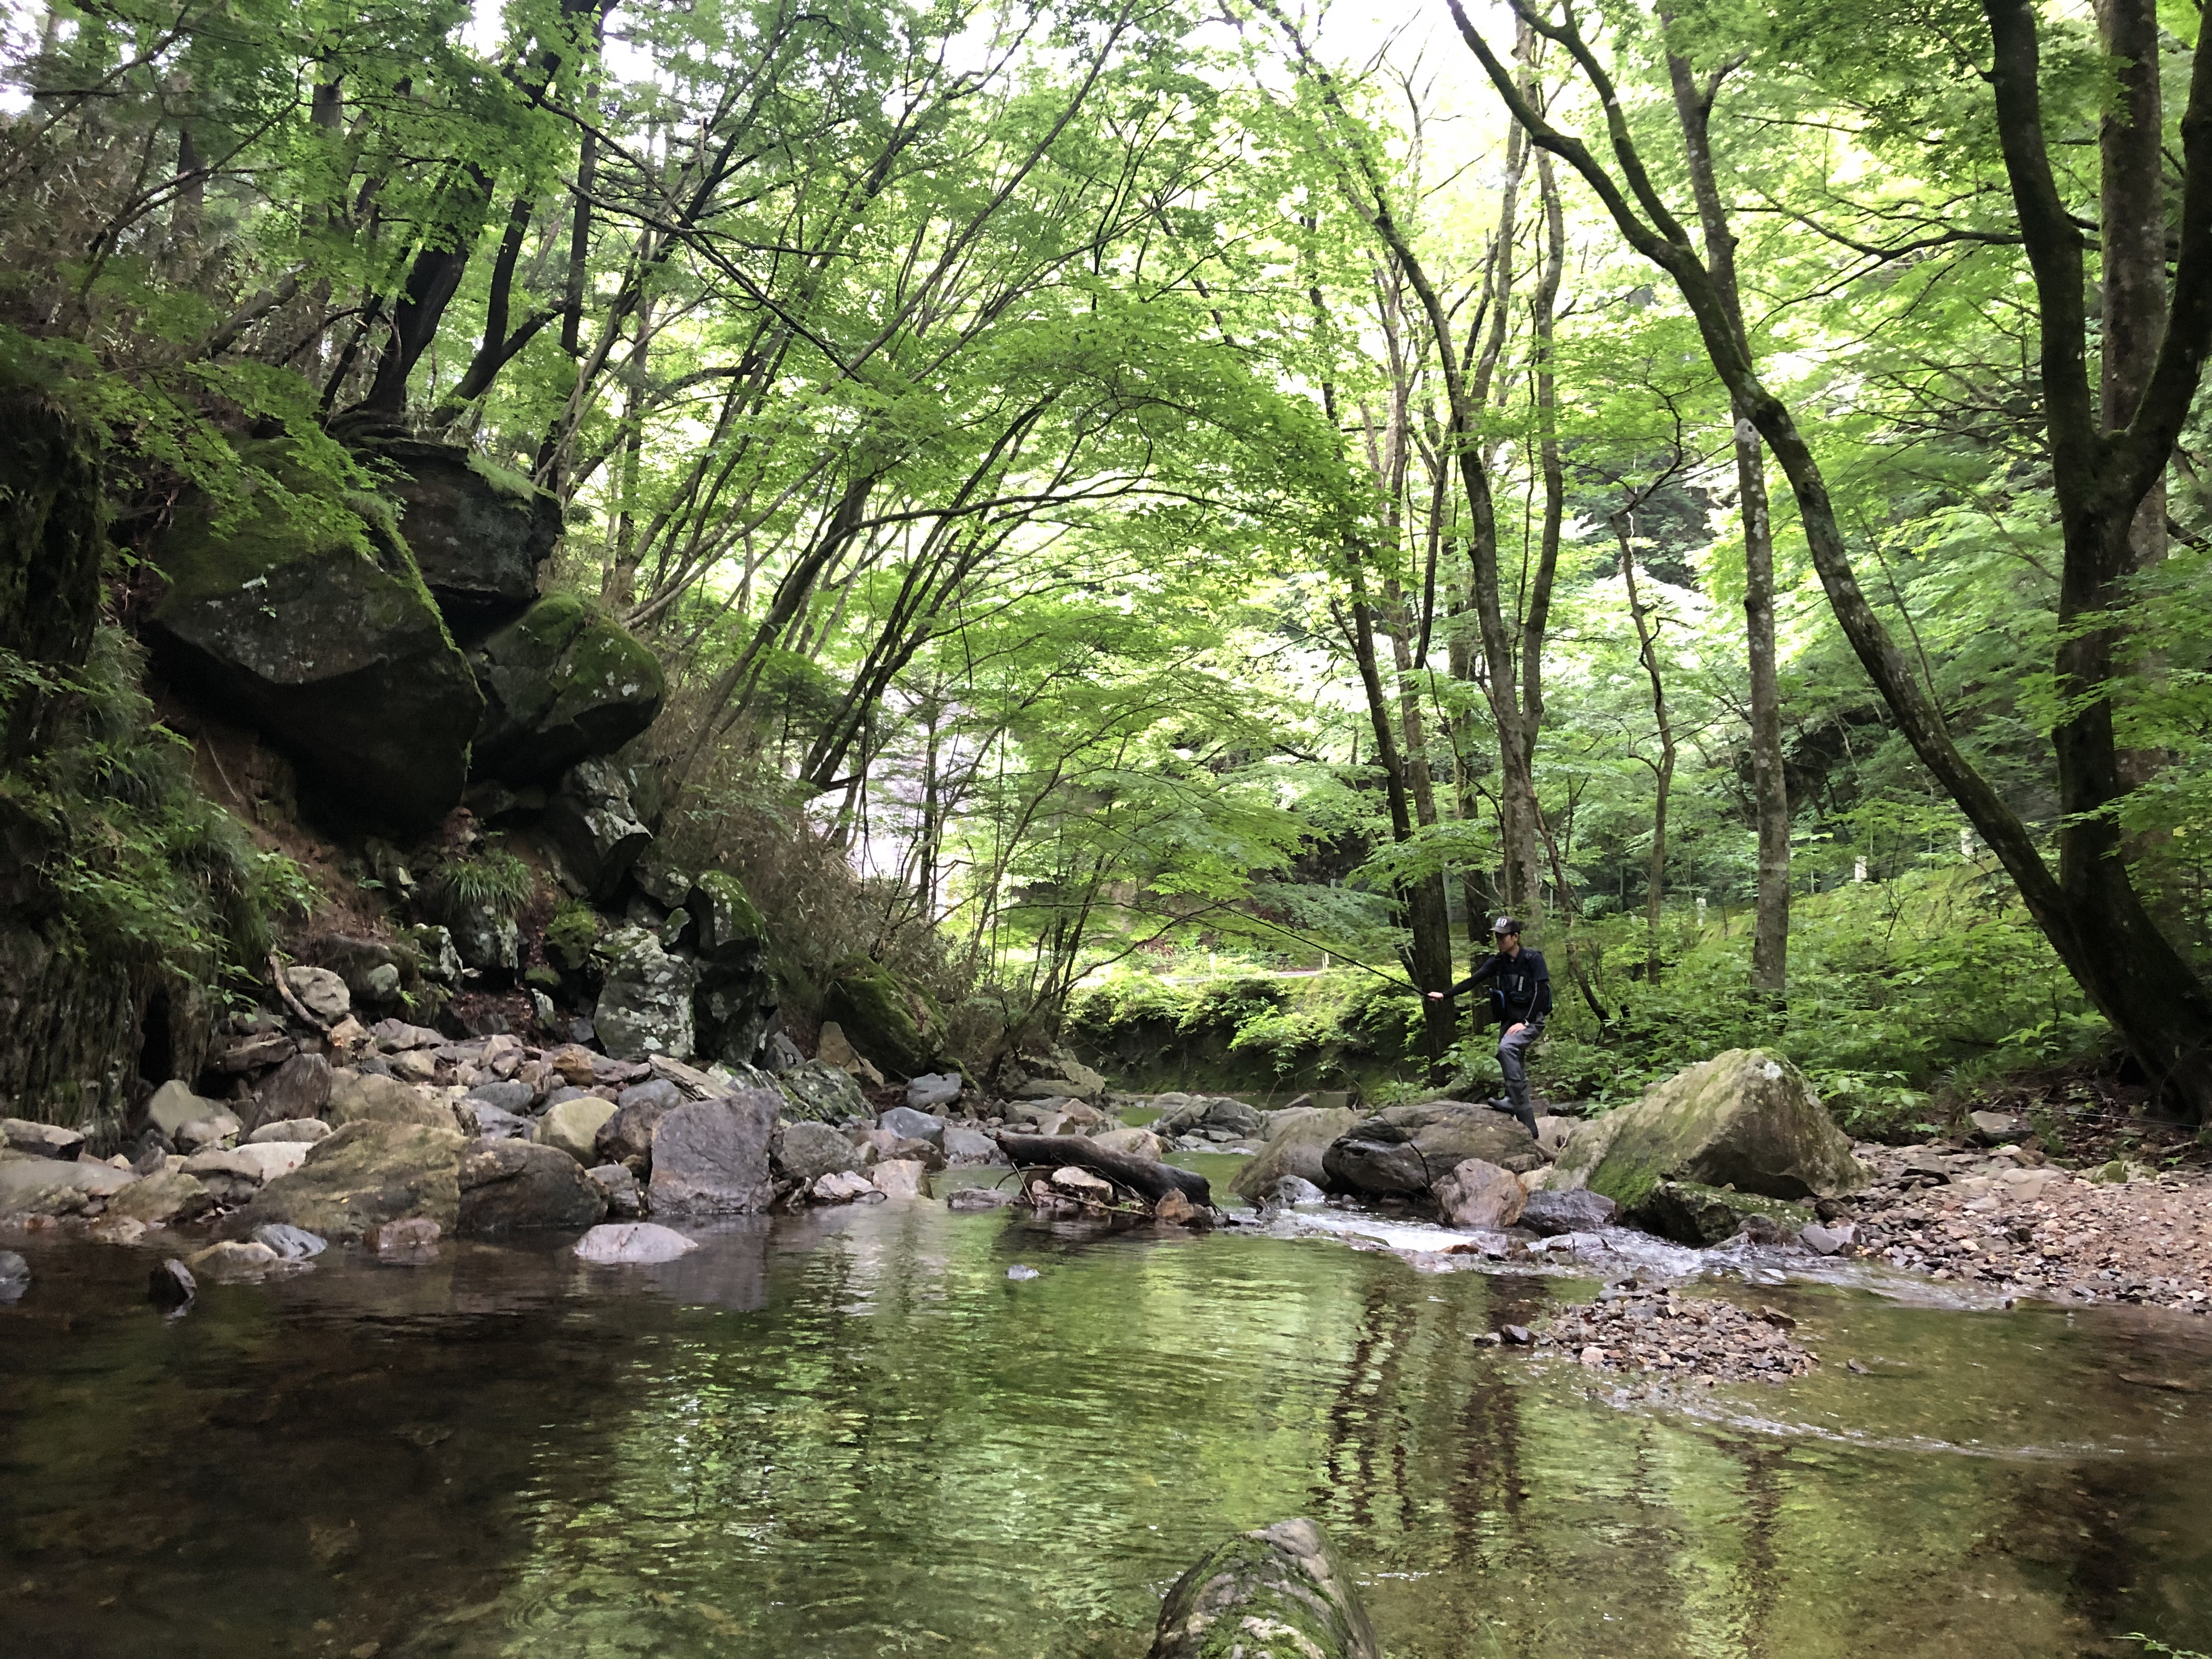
1153	1180
299	1008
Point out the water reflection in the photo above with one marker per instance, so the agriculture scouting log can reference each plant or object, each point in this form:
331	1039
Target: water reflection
851	1434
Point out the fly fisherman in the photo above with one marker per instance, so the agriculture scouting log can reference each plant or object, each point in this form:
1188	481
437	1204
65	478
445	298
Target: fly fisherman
1521	992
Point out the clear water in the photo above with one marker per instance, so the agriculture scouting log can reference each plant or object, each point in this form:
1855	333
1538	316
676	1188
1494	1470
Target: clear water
850	1434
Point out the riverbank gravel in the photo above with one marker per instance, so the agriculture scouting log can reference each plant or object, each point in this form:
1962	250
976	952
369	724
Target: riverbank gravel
1662	1333
2030	1229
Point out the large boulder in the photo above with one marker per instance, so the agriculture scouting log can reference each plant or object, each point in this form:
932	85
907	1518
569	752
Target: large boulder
1380	1159
304	614
562	682
594	829
1298	1141
737	996
1745	1119
887	1020
511	1185
816	1090
1212	1112
52	1184
644	1001
166	1196
1571	1210
710	1157
300	1088
1278	1593
479	533
366	1174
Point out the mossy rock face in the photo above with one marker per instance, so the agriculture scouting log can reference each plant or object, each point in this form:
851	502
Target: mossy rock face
1278	1593
726	926
886	1020
53	534
562	682
1689	1213
815	1091
478	531
364	1174
1745	1119
315	627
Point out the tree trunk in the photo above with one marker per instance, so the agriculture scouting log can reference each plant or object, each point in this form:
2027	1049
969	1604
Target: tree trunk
1770	944
1155	1180
1647	641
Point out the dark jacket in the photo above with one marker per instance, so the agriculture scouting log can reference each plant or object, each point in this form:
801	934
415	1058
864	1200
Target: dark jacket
1520	986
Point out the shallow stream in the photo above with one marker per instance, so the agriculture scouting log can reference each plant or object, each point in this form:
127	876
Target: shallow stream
849	1433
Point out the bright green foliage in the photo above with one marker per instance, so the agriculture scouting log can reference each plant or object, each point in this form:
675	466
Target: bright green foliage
494	882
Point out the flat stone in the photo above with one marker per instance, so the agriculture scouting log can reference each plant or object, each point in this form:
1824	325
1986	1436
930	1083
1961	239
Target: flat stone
257	1053
807	1151
393	1035
908	1124
970	1200
637	1243
41	1140
933	1089
50	1185
292	1243
1078	1182
233	1259
842	1187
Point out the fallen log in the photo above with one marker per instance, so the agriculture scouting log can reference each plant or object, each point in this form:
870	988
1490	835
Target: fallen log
1150	1179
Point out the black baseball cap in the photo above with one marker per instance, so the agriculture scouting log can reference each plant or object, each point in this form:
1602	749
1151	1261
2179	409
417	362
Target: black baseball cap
1504	925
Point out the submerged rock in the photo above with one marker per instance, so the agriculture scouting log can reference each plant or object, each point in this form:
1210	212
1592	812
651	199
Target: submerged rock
170	1286
632	1242
1744	1119
15	1276
1278	1593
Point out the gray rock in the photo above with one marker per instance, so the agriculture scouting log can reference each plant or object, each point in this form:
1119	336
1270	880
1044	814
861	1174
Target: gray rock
563	682
512	1186
491	1123
486	940
507	1094
933	1089
1021	1270
967	1200
55	1186
168	1196
290	1243
1481	1196
41	1140
806	1152
661	881
15	1276
644	1002
1292	1190
625	1198
970	1146
309	1129
628	1134
300	1088
1998	1128
1826	1241
1210	1112
1297	1141
364	1174
393	1035
1549	1212
321	993
594	829
216	1127
710	1157
822	1092
632	1242
656	1091
174	1105
1279	1591
908	1124
257	1053
1379	1159
843	1187
780	1054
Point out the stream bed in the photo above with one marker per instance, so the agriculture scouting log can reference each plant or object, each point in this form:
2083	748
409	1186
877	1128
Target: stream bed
848	1433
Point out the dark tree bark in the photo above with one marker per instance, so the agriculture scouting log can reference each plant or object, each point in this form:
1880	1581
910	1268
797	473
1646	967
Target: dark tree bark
1770	943
1144	1175
2089	908
1662	771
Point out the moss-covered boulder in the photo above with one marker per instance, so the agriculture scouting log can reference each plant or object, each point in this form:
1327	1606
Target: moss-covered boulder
478	531
1278	1593
1745	1119
303	614
594	830
884	1018
562	683
364	1174
817	1092
1690	1212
